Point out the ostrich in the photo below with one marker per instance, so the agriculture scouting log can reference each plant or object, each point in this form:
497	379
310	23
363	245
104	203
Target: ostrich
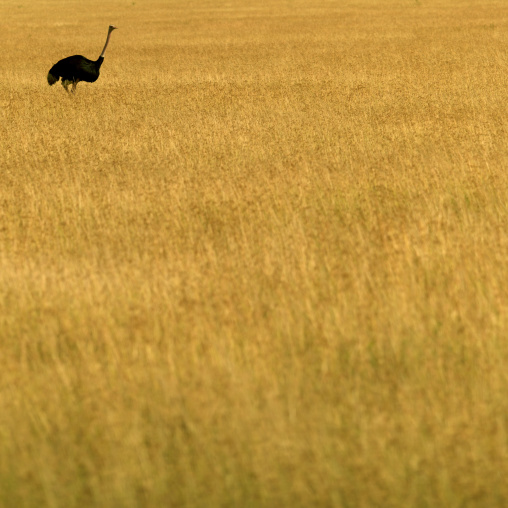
74	69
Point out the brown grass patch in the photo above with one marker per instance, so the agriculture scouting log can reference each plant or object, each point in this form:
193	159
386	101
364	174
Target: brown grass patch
261	261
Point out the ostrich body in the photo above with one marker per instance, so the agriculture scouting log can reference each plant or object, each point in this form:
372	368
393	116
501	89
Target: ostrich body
74	69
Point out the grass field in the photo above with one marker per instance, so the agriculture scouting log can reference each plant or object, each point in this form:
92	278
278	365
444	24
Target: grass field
261	262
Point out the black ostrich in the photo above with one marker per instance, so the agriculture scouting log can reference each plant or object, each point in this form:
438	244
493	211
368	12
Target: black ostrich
74	69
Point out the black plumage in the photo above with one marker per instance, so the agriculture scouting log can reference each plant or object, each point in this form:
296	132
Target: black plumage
74	69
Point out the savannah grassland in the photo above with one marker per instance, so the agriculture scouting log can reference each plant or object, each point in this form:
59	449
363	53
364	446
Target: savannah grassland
261	262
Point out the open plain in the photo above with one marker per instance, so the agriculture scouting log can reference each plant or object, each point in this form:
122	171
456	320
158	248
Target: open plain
261	262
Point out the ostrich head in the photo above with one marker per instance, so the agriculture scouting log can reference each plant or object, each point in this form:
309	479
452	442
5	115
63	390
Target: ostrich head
112	27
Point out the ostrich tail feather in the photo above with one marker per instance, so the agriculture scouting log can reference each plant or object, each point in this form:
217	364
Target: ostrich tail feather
52	79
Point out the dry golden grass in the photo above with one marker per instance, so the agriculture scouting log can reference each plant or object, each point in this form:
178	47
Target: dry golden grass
262	261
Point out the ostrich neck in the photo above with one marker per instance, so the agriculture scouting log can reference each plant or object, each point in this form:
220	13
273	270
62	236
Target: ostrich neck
106	45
